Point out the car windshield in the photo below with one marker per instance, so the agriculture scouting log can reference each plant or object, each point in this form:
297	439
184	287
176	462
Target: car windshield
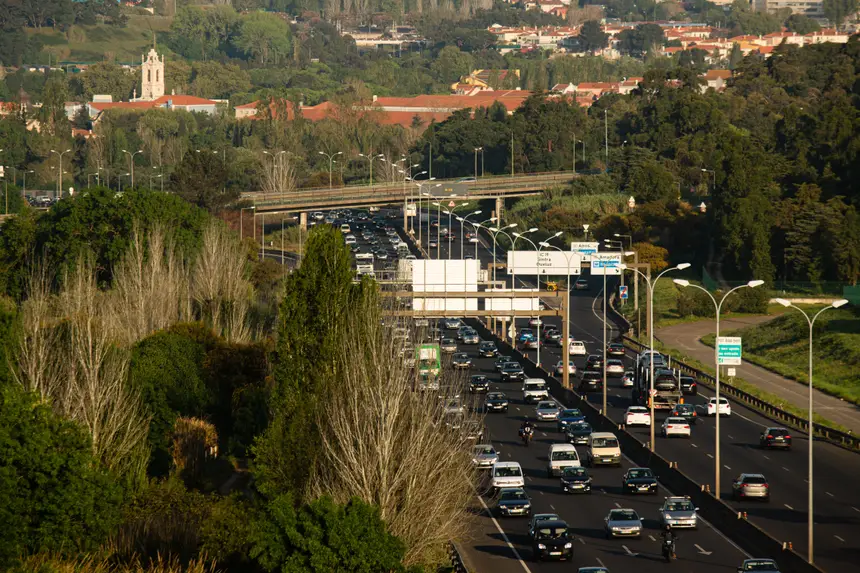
461	356
514	496
575	472
547	406
511	366
777	432
485	450
495	396
508	472
764	565
536	386
580	427
551	533
604	443
447	341
676	421
684	408
640	474
564	455
637	410
679	506
623	515
571	414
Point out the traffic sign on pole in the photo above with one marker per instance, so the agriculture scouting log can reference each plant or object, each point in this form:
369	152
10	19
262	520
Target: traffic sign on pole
606	264
622	290
729	350
451	204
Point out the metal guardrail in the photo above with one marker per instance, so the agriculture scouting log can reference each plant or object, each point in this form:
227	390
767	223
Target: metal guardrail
456	559
841	439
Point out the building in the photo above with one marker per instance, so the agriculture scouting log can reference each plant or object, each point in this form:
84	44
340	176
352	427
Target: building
716	80
811	8
152	76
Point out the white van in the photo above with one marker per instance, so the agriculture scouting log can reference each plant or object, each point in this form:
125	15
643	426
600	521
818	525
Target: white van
364	259
507	474
535	390
561	456
603	448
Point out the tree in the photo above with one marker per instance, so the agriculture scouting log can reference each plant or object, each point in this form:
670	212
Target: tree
592	37
265	37
451	64
800	24
640	40
200	179
53	497
736	56
837	10
323	536
109	78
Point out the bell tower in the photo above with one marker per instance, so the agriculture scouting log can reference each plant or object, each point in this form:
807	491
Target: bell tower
152	76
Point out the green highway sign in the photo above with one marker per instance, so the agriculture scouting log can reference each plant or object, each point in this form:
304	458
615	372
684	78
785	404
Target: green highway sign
729	350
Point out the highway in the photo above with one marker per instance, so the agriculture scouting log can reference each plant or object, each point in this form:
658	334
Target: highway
837	504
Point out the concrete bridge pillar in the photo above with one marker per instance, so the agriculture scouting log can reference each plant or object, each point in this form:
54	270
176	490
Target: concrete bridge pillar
303	221
500	205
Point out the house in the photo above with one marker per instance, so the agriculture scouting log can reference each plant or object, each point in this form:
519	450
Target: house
716	80
564	88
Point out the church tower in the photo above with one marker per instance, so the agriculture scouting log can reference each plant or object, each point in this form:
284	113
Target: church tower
152	76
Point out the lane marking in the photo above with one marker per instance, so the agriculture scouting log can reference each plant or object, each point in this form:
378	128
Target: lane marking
839	538
694	445
552	507
786	469
730	436
618	505
601	562
629	553
505	536
651	537
710	456
765	457
581	540
701	551
855	509
788	506
727	467
830	494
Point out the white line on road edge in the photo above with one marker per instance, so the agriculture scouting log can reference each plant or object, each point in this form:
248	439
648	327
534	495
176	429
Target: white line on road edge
694	445
505	536
828	493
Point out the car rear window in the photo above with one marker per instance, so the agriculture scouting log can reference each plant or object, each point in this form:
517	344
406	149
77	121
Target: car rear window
775	432
755	479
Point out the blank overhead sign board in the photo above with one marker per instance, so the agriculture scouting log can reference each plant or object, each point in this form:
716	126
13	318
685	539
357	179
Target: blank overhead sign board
543	263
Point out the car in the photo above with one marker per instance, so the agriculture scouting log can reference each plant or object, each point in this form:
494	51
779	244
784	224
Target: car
511	372
535	390
628	379
507	474
452	323
594	362
479	383
569	416
461	332
592	570
639	480
685	411
675	427
678	512
535	321
461	361
345	229
448	345
578	432
552	540
559	367
484	456
559	457
349	240
576	348
665	380
472	431
615	349
725	407
751	485
466	180
501	362
689	386
537	518
496	402
433	244
525	334
602	448
487	348
581	284
575	480
546	410
551	334
637	416
766	565
614	367
512	501
471	337
453	406
779	438
622	523
381	254
590	381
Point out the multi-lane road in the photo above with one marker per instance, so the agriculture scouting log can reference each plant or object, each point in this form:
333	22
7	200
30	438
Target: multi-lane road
501	545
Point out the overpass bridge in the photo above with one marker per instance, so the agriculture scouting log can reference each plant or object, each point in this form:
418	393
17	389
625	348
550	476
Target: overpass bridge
496	187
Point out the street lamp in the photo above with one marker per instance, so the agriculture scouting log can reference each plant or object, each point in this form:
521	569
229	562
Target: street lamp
331	157
25	172
477	149
59	170
811	428
651	284
131	162
370	159
494	232
465	220
517	236
241	221
565	353
717	307
477	226
449	212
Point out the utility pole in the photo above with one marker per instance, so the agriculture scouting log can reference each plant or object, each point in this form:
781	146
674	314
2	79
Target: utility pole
606	136
512	153
574	152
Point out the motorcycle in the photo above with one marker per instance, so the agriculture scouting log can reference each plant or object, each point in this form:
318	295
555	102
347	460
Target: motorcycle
526	435
669	550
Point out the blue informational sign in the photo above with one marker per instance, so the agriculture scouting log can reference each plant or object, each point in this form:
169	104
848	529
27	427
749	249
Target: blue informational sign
623	292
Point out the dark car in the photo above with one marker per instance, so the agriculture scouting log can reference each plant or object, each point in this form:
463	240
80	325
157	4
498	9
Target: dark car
552	540
665	380
496	402
513	501
487	348
461	361
689	386
615	349
591	381
685	411
773	438
479	383
594	362
639	480
512	372
501	361
575	480
578	432
551	335
569	416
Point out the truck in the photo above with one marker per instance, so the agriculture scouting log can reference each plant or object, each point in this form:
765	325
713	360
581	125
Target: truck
428	358
667	386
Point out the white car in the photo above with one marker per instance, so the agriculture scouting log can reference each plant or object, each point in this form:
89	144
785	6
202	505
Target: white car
535	321
485	456
535	390
453	324
559	367
349	240
577	348
637	416
614	367
628	379
725	407
676	427
507	474
546	410
345	229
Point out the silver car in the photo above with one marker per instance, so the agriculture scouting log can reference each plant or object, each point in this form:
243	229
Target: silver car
471	337
751	485
546	411
678	512
623	523
764	565
449	345
615	367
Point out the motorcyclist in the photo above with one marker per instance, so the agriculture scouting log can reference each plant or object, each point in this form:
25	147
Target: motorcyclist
669	538
526	430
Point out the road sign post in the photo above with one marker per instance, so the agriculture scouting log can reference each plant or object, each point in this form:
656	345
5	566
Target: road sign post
729	351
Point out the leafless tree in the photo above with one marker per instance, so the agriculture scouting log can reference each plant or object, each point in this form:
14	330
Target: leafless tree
392	445
279	173
39	364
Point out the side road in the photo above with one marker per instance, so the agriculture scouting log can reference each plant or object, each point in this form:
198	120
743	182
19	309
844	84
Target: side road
686	338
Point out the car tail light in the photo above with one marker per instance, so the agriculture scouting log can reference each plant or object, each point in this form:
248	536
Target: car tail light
686	427
766	486
769	437
788	437
745	485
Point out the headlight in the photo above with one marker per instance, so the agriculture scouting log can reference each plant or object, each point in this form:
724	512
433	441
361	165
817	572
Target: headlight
568	545
541	546
666	516
527	506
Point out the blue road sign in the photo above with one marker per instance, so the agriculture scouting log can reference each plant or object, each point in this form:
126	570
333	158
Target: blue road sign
623	292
